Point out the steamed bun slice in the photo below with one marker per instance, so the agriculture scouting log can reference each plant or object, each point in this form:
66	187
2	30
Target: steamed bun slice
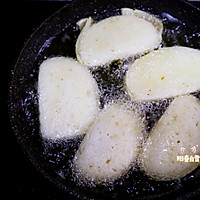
164	73
111	145
179	127
118	37
68	98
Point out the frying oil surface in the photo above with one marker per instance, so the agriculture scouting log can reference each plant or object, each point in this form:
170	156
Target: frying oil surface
110	79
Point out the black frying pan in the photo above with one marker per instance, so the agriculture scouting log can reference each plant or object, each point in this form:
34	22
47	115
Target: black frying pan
57	36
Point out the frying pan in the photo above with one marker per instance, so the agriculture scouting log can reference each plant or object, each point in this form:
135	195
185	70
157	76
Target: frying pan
57	36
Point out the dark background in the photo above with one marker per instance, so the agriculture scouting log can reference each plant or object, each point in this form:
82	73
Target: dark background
21	180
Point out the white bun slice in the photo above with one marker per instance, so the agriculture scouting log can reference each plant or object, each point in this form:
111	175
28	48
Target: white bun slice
175	134
111	145
164	73
118	37
68	98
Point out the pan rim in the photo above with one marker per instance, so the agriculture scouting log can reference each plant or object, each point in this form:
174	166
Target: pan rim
19	61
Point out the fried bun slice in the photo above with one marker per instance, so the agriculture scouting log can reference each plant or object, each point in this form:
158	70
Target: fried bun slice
117	37
111	145
172	149
68	98
164	73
